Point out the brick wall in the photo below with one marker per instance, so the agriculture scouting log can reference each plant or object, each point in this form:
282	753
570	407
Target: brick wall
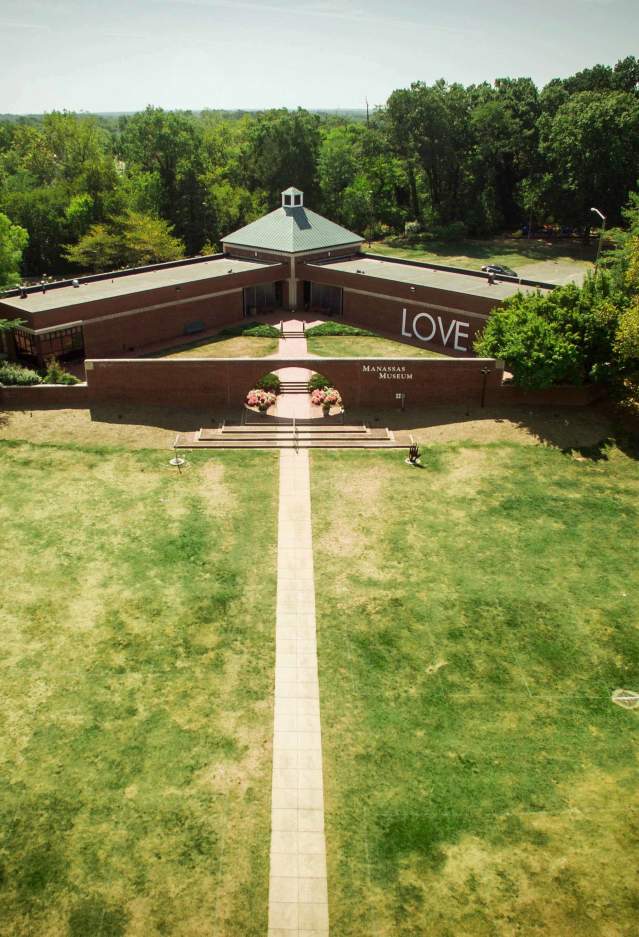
132	332
44	396
225	382
126	302
452	333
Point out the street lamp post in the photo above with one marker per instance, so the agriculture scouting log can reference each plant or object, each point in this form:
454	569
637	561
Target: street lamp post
485	372
603	228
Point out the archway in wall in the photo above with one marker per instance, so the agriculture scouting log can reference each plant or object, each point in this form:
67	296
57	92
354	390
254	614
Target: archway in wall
294	397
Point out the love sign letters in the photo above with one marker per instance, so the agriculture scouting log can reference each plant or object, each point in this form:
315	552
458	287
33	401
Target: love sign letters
431	329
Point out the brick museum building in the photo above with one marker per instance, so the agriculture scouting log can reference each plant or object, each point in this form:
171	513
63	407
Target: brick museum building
292	259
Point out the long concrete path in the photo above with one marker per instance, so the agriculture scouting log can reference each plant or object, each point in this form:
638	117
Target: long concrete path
298	898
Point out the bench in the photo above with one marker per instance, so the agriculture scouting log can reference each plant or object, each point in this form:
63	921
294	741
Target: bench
192	328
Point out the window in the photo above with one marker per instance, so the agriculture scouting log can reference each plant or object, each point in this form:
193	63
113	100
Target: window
287	199
60	342
326	298
262	297
298	199
25	343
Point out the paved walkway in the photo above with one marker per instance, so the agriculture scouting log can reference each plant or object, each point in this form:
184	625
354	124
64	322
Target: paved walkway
297	405
298	900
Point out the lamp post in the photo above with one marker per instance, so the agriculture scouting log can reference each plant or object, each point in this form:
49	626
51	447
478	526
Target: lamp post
603	228
485	372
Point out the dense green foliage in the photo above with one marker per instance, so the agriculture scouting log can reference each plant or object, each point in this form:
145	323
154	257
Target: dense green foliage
130	240
318	382
445	158
55	374
252	329
269	382
336	328
576	335
16	375
13	240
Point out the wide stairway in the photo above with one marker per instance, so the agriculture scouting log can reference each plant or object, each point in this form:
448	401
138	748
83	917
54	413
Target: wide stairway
294	387
272	432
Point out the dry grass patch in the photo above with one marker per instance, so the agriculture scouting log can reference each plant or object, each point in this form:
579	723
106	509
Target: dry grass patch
237	346
489	786
137	664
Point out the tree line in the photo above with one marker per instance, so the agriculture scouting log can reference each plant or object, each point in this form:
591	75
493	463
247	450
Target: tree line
80	192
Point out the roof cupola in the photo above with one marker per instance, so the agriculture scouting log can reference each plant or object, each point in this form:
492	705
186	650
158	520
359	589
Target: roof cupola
292	198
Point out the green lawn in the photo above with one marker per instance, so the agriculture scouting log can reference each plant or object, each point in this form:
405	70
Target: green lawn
237	346
364	346
561	257
474	617
136	679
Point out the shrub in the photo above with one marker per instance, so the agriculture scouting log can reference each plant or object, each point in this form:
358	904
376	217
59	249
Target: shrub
253	329
336	328
453	231
17	376
318	382
55	374
269	382
413	228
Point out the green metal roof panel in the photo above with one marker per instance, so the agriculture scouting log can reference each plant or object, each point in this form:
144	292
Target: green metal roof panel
292	230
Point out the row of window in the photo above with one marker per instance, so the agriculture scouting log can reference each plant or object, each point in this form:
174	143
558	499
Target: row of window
60	343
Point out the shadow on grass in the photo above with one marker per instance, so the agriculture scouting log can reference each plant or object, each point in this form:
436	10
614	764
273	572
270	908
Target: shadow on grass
584	432
169	418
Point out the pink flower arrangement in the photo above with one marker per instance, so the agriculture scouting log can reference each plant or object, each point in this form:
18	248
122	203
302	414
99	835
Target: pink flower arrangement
262	399
326	397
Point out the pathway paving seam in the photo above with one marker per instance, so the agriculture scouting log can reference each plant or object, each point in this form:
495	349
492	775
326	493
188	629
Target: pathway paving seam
298	896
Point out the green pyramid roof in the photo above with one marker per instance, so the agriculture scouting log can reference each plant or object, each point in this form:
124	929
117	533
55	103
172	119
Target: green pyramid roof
292	230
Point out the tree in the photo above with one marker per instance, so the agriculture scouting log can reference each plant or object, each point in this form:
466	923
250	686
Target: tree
13	240
168	147
131	240
337	166
592	148
563	337
533	348
282	150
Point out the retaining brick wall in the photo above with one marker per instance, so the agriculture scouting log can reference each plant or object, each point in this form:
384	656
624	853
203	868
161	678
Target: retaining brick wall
200	382
44	396
194	382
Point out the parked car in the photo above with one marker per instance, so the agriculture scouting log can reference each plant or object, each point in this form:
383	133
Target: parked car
499	270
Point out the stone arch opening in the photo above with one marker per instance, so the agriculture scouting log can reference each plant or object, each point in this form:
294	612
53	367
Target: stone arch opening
294	386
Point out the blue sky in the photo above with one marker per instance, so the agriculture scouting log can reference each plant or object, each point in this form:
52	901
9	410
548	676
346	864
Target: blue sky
120	55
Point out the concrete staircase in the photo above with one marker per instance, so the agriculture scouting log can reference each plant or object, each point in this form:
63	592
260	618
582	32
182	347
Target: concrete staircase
286	433
293	333
294	387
